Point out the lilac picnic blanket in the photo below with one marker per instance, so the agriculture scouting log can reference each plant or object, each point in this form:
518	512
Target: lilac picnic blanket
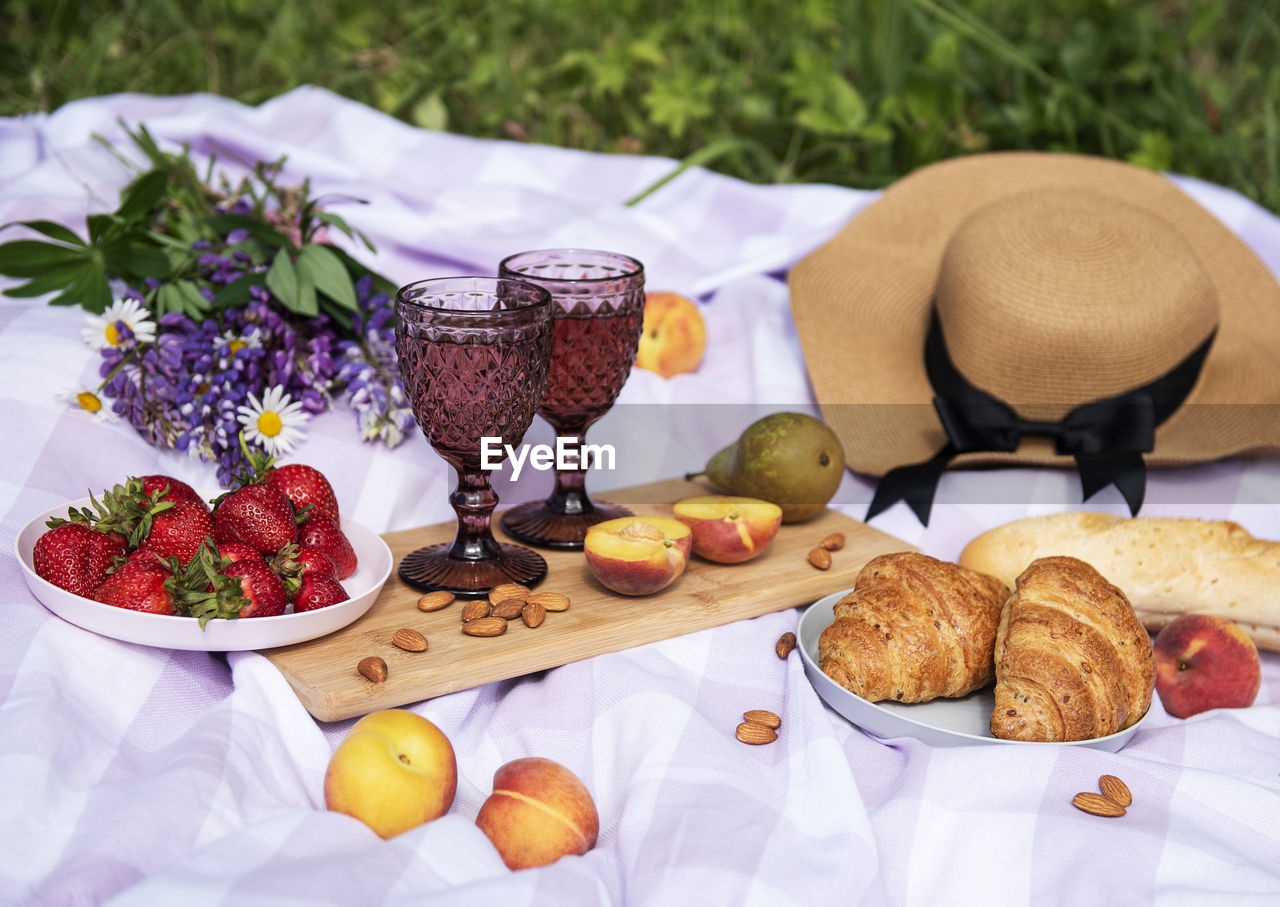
137	775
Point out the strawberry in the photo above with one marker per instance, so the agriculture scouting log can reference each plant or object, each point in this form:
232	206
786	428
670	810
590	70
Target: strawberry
213	586
150	555
179	531
257	515
125	511
321	532
74	557
139	585
305	486
313	560
262	589
318	590
238	551
170	489
293	562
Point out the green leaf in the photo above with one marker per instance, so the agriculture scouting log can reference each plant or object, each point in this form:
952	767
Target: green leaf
97	294
333	220
282	280
49	229
341	317
263	233
137	259
32	257
193	302
142	195
307	304
179	296
431	113
87	289
327	274
358	270
1155	151
58	278
236	293
101	226
165	299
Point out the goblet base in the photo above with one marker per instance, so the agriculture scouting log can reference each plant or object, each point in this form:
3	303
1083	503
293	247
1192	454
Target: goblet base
433	568
537	524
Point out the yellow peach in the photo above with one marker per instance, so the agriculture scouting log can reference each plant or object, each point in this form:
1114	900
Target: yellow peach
674	335
394	771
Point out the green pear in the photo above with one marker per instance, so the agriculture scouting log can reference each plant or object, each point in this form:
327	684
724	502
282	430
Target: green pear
791	459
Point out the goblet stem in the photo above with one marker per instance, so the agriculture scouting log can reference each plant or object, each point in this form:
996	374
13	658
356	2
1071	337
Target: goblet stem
473	501
570	494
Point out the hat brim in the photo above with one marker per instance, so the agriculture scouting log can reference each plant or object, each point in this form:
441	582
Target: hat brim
862	304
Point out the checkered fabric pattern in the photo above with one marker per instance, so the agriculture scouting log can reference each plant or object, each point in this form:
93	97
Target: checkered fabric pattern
144	776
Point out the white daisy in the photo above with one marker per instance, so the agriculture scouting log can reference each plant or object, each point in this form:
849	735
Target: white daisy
101	331
236	342
274	422
90	402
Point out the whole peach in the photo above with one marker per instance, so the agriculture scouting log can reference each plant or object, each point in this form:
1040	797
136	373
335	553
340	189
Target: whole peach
673	337
1204	661
538	812
394	771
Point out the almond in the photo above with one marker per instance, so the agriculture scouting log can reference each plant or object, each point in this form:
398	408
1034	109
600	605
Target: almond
750	732
434	601
1115	789
409	640
373	668
763	716
508	590
474	610
820	558
485	626
786	642
508	608
1097	805
833	542
534	614
551	601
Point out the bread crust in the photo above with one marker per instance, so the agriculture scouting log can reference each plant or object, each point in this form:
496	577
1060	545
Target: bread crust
1166	566
914	629
1072	660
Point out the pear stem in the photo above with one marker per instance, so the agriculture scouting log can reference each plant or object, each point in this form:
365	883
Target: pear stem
690	476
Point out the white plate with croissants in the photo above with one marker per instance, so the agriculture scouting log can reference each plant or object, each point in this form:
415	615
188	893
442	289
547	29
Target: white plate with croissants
928	649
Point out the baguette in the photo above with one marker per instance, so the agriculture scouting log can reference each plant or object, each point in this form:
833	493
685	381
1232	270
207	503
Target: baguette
1165	566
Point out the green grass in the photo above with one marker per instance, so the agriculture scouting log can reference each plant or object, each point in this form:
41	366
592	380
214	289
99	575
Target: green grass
853	92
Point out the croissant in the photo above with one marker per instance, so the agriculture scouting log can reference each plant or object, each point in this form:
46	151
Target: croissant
913	629
1072	660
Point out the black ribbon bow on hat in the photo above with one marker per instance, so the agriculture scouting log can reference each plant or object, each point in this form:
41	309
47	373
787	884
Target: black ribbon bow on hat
1106	437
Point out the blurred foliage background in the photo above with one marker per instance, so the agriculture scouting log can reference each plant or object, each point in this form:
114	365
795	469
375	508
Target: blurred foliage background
853	92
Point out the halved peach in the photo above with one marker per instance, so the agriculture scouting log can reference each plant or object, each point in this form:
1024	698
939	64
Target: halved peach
637	555
727	529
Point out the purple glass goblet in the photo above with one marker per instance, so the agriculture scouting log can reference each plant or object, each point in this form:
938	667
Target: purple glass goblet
598	310
473	355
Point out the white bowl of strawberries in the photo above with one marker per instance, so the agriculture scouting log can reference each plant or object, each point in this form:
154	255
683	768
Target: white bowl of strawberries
273	563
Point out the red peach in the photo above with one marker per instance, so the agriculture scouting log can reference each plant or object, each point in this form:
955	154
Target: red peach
1204	661
538	812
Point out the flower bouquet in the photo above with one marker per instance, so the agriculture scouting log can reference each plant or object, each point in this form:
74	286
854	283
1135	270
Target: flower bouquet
220	308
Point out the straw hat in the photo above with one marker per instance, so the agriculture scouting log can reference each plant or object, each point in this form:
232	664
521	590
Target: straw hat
1053	281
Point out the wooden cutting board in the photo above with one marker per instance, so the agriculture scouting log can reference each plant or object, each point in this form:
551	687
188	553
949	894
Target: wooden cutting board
323	671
